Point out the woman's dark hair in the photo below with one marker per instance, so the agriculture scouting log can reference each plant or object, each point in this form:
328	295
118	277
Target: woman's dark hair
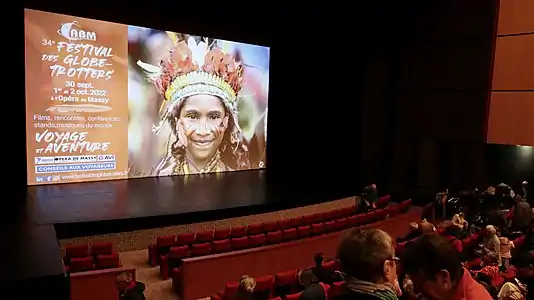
233	153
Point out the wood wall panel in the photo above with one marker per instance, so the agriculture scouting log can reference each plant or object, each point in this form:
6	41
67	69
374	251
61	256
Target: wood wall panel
516	16
514	63
510	118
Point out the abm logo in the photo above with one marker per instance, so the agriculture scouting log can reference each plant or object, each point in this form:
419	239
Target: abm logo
72	32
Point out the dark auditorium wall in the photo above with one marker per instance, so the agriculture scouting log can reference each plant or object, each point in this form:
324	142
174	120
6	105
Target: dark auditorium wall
430	116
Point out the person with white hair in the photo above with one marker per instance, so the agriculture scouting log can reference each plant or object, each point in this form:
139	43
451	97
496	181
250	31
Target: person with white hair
492	243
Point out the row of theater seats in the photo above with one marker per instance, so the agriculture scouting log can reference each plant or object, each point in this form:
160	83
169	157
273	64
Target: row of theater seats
217	238
283	285
176	253
85	257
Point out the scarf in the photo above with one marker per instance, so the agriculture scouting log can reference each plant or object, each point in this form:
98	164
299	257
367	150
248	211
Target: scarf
381	291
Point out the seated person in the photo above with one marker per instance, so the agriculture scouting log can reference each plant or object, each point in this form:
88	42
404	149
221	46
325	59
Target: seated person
506	251
491	242
510	291
412	234
489	266
459	220
312	289
129	289
323	275
452	229
485	281
246	288
370	195
426	227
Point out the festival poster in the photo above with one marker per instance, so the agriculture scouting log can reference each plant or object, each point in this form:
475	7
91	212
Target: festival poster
76	99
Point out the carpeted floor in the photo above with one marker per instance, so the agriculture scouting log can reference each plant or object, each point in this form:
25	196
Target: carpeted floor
157	289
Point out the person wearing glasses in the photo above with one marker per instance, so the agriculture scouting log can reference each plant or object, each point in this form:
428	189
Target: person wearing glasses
367	257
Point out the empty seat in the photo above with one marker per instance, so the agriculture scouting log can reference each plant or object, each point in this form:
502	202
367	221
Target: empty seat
341	223
200	249
293	296
274	237
80	264
238	231
179	251
166	241
352	221
270	226
204	236
255	228
220	246
329	225
221	233
106	261
285	283
290	234
308	219
102	247
230	290
295	221
77	250
304	231
257	240
239	242
264	287
317	228
336	289
185	238
284	224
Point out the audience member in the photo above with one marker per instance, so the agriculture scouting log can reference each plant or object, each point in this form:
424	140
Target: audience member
370	195
510	291
522	214
489	266
436	271
323	275
246	288
426	227
506	251
491	242
413	233
367	258
485	281
459	220
312	289
129	289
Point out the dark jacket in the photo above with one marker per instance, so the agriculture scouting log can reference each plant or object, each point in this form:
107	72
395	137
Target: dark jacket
313	292
136	292
323	274
351	295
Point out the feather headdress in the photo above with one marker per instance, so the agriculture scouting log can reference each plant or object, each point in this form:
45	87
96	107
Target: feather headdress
191	69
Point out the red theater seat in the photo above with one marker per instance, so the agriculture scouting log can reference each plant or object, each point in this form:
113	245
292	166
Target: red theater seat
270	226
162	246
81	264
293	296
308	219
290	234
204	236
274	237
336	289
77	250
329	226
230	290
238	231
330	265
341	223
107	261
257	240
255	228
383	201
317	228
239	242
264	287
179	251
221	233
285	283
200	249
295	221
284	224
352	221
185	239
304	231
101	248
221	246
170	261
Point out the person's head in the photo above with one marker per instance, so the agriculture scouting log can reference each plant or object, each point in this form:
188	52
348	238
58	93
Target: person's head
510	291
247	285
491	190
491	259
123	280
373	186
433	265
368	254
307	278
414	226
426	227
491	230
318	258
518	198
